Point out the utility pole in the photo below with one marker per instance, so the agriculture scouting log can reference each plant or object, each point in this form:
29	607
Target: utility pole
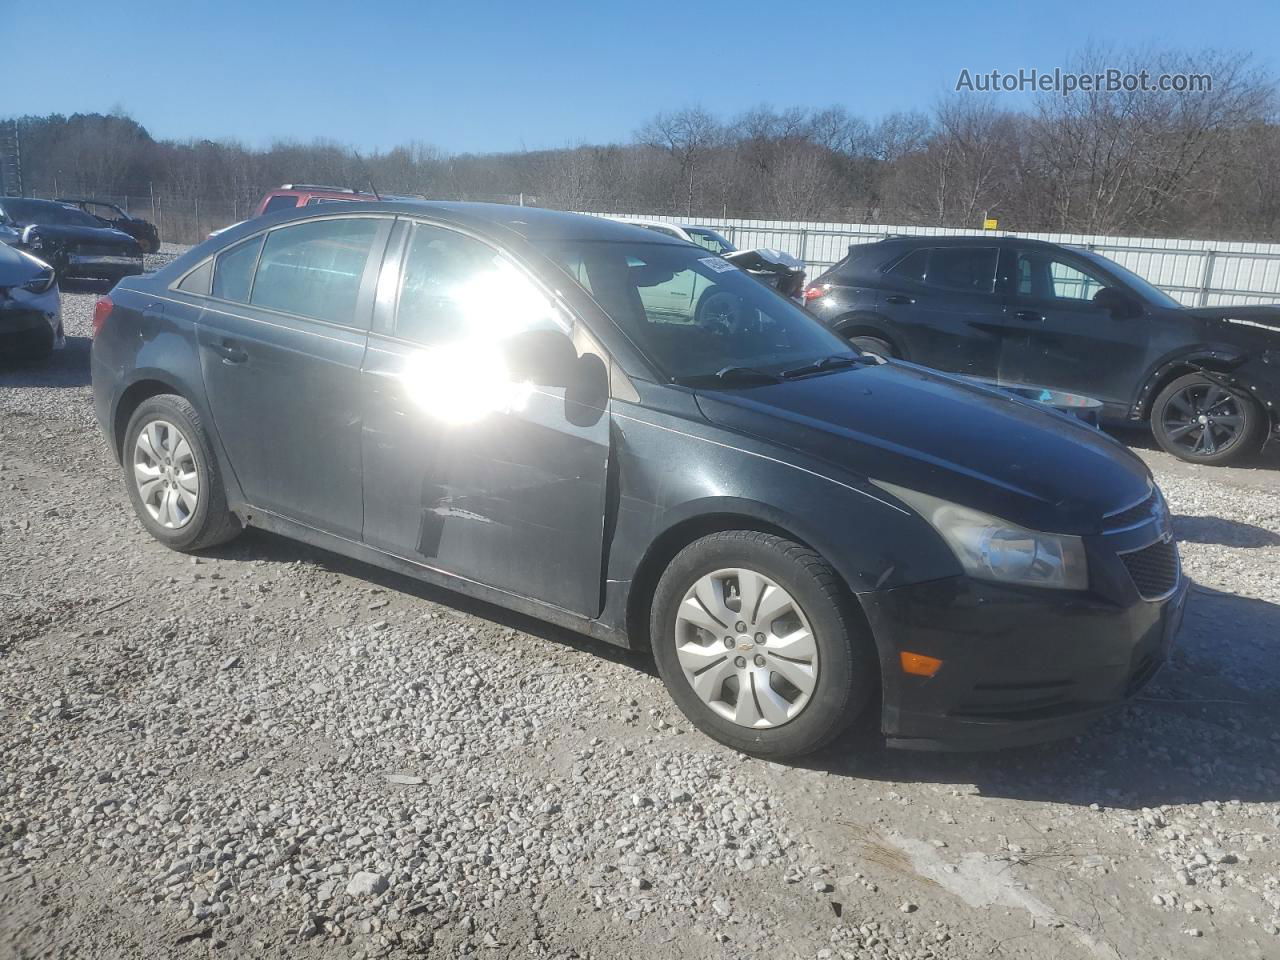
10	160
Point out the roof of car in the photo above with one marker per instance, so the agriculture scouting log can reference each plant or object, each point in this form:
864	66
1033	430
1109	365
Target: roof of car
919	239
531	223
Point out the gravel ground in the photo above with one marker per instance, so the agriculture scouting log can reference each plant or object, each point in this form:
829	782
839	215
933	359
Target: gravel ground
273	751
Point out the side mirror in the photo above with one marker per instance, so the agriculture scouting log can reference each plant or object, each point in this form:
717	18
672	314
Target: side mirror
1119	303
544	357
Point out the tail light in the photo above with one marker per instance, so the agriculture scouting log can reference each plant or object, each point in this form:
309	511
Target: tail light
814	291
101	310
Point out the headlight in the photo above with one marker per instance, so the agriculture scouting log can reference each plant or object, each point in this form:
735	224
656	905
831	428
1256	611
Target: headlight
993	549
41	282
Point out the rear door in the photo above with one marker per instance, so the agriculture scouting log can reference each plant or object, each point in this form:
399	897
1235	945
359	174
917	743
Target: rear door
466	471
1059	338
942	308
281	343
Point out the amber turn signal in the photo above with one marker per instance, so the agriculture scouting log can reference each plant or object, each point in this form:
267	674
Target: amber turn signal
918	664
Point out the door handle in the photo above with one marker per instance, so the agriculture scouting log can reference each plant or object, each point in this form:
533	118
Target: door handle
900	299
228	350
1030	316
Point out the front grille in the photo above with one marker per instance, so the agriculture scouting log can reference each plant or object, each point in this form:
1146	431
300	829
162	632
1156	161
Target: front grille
1132	515
1154	569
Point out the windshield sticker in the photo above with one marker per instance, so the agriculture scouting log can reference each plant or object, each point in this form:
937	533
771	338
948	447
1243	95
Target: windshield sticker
716	264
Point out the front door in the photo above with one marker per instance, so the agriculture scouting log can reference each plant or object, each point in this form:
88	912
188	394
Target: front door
467	471
281	343
1058	337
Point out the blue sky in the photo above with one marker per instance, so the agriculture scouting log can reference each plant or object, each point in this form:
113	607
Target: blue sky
479	75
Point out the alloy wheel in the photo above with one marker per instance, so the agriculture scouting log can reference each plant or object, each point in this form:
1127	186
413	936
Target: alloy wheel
746	648
1203	419
165	473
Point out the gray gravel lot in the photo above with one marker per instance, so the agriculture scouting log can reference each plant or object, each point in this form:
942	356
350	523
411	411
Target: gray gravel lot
273	751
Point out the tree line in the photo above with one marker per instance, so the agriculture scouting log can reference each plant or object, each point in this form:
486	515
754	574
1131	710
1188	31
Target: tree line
1196	164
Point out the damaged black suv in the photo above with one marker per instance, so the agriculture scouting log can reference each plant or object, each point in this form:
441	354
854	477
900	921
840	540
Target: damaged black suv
1027	313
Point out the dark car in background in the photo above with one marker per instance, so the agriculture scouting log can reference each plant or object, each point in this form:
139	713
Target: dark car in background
479	396
30	307
144	231
78	246
1026	313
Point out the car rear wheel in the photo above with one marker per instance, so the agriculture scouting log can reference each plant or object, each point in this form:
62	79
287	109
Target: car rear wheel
172	476
759	646
1200	421
881	348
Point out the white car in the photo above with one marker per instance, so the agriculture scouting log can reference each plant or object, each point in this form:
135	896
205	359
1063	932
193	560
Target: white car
775	268
30	306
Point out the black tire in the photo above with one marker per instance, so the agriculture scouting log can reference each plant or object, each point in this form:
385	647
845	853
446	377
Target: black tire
1236	424
848	673
881	348
210	523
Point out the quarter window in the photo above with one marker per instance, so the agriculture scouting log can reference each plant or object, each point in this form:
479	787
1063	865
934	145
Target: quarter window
454	287
233	271
314	269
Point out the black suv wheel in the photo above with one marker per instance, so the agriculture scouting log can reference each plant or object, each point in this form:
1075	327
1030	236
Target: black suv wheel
1200	421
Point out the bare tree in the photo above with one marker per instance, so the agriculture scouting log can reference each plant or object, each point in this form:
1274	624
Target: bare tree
686	135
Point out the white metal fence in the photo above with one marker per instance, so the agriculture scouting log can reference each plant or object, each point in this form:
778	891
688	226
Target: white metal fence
1194	272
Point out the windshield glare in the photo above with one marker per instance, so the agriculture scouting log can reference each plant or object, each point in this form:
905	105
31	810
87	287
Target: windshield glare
1144	288
694	314
36	211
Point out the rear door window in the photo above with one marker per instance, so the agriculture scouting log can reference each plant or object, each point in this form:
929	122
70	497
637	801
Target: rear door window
233	270
314	269
963	269
913	267
281	202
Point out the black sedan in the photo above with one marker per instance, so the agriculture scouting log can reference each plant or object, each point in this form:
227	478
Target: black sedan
144	231
1025	313
78	246
805	537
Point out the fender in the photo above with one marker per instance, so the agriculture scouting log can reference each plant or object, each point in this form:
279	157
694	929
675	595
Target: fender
1212	360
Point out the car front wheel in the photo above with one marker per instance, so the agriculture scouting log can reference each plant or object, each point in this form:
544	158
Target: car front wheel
757	641
1200	421
172	476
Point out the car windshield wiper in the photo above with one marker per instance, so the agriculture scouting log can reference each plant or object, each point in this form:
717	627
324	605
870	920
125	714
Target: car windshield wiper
826	363
733	375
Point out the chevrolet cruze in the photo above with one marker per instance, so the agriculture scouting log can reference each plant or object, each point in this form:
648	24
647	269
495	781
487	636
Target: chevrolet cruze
490	398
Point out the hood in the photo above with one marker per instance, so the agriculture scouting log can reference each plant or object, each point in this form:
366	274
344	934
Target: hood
975	446
1261	315
107	235
16	267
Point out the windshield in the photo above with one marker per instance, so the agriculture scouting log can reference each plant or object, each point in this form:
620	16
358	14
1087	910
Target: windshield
709	239
692	314
1144	288
43	211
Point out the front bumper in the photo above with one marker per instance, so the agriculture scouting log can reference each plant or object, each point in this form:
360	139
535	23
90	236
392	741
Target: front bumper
1019	665
101	266
32	317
